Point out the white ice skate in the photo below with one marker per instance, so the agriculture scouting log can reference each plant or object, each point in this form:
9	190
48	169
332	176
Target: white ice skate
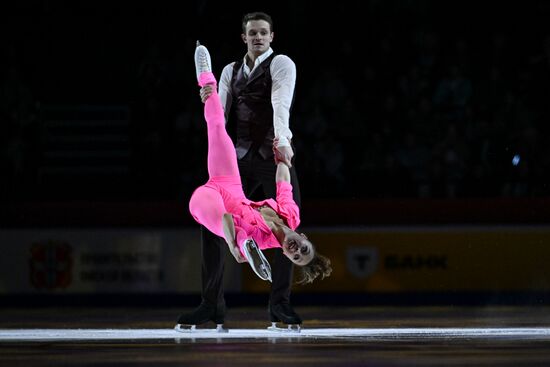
202	60
257	260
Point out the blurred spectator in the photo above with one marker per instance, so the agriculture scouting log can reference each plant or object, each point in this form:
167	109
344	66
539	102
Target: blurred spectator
19	138
405	105
452	93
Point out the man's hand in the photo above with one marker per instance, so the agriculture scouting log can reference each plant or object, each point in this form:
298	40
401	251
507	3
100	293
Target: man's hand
206	92
282	154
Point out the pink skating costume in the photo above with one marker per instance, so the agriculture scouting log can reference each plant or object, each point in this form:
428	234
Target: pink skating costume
223	192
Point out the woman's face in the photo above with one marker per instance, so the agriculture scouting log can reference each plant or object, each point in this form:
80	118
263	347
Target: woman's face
298	248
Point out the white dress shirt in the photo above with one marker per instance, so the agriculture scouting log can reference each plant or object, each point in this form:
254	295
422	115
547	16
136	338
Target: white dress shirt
283	75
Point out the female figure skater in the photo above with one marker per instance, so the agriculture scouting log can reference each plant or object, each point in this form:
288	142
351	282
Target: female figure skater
221	206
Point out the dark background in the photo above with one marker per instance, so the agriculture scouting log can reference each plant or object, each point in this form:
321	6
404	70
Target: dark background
396	102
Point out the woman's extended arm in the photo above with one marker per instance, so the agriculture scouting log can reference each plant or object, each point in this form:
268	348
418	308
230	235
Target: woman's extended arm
230	237
283	173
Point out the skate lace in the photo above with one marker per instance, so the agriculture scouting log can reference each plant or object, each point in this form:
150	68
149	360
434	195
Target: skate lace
203	61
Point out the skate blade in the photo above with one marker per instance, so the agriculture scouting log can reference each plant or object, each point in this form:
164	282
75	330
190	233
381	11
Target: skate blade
292	328
183	328
257	260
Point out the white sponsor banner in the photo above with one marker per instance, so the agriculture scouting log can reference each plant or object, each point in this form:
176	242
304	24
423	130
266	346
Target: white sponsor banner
104	260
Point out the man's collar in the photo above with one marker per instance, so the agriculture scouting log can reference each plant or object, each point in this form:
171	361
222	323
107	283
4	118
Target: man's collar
260	58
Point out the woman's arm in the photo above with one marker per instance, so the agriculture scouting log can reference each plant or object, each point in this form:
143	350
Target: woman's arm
283	173
230	237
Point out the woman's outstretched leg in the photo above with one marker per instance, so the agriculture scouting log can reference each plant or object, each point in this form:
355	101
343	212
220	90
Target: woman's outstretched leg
222	157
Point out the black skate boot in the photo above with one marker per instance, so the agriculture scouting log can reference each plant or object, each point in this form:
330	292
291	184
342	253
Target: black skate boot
283	312
188	322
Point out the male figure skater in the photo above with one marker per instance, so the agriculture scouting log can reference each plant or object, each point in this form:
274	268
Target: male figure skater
257	94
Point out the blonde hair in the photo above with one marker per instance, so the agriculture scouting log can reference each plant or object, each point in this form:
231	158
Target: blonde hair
319	266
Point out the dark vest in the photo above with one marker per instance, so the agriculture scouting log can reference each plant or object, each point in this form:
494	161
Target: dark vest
251	109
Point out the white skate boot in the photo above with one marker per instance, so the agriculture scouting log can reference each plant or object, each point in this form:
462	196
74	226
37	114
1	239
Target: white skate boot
257	260
202	60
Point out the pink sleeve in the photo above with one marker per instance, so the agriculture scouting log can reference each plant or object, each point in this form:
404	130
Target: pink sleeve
287	206
243	231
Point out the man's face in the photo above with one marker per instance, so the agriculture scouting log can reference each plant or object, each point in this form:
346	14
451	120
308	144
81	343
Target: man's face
258	36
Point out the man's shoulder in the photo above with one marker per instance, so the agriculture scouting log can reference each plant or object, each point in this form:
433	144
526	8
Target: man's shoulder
282	62
230	65
283	58
228	69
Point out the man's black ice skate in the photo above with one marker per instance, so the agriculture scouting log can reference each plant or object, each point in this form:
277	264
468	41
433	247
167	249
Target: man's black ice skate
201	315
283	312
257	260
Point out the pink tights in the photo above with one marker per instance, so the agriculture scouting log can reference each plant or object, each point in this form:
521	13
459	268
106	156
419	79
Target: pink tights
210	201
